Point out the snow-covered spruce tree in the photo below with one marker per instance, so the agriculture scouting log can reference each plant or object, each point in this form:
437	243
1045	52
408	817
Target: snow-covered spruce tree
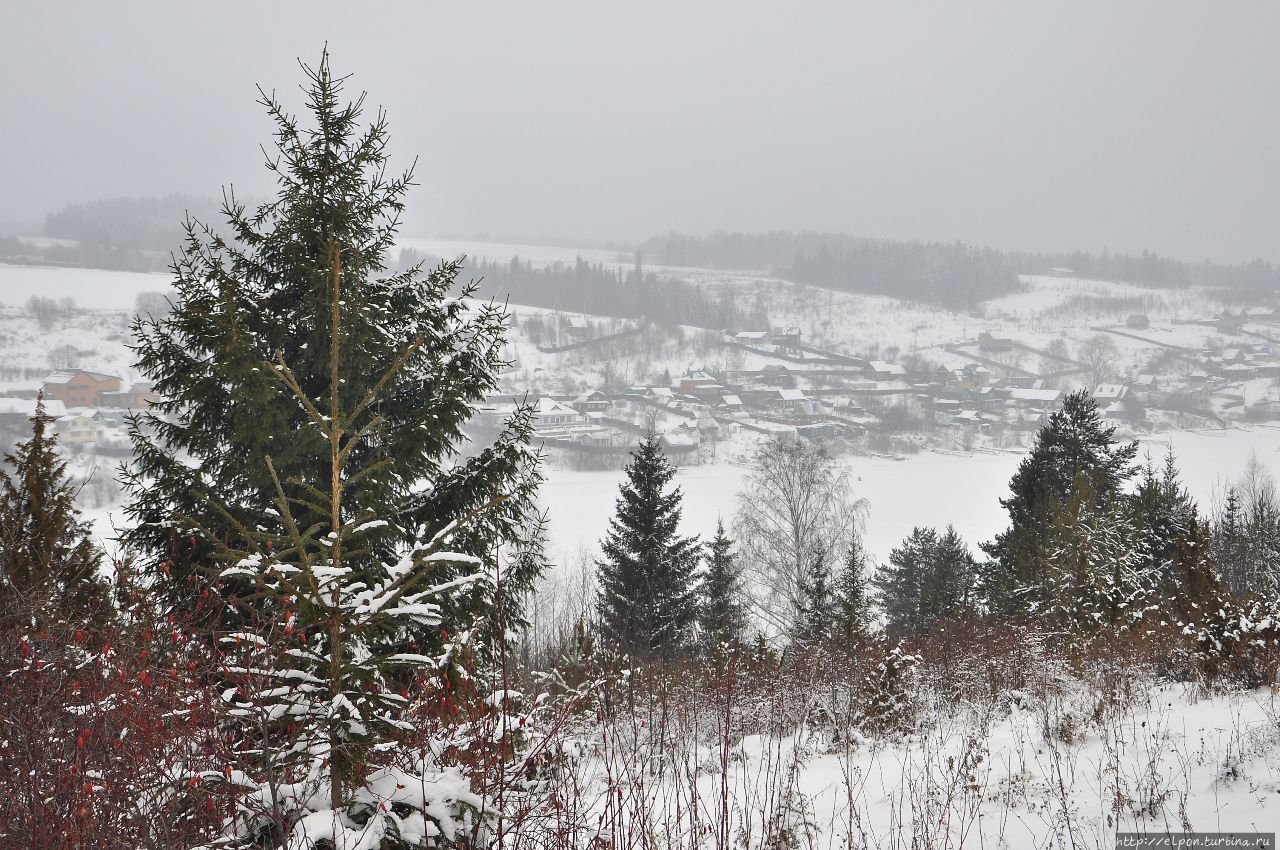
317	664
887	692
1095	572
648	600
414	361
721	619
1074	445
47	555
1174	544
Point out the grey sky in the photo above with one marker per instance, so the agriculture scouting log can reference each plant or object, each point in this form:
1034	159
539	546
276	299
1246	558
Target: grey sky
1037	125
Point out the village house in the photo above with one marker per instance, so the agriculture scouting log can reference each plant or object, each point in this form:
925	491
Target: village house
1137	322
988	341
79	388
549	413
577	328
80	427
775	375
731	402
883	371
701	386
1117	403
791	401
786	337
1031	398
592	402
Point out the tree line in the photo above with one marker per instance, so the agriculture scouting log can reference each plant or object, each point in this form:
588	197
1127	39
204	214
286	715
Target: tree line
1096	544
950	274
599	290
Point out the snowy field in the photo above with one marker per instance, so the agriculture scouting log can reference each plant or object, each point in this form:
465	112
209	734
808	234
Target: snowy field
94	289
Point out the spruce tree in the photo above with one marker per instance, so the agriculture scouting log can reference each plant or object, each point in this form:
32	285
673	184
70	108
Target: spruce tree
900	584
48	559
721	619
1073	446
317	689
820	604
947	583
853	616
416	359
648	603
1094	571
1231	544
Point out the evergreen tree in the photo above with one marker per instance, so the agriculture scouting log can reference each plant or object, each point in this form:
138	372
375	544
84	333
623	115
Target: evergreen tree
1173	543
647	603
415	361
1231	544
853	616
48	560
1162	512
900	584
929	578
945	592
317	666
820	604
1074	446
721	618
1095	573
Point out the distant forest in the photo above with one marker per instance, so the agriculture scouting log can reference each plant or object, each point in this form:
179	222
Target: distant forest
126	233
137	234
582	287
950	274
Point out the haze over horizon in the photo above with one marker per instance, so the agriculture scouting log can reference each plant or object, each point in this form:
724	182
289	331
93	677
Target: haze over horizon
1004	124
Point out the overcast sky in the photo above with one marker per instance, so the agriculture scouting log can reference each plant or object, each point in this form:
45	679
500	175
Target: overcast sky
1039	125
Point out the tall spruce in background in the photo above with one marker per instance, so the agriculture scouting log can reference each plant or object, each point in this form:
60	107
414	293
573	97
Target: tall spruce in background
947	585
721	619
648	603
853	614
819	610
1173	542
48	560
263	294
1073	446
899	584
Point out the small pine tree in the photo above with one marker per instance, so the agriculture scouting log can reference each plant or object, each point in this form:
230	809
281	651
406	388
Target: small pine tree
887	692
853	616
721	618
648	603
48	559
929	578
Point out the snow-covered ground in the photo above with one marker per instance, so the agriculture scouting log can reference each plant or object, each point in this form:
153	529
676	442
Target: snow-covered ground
1060	764
94	289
